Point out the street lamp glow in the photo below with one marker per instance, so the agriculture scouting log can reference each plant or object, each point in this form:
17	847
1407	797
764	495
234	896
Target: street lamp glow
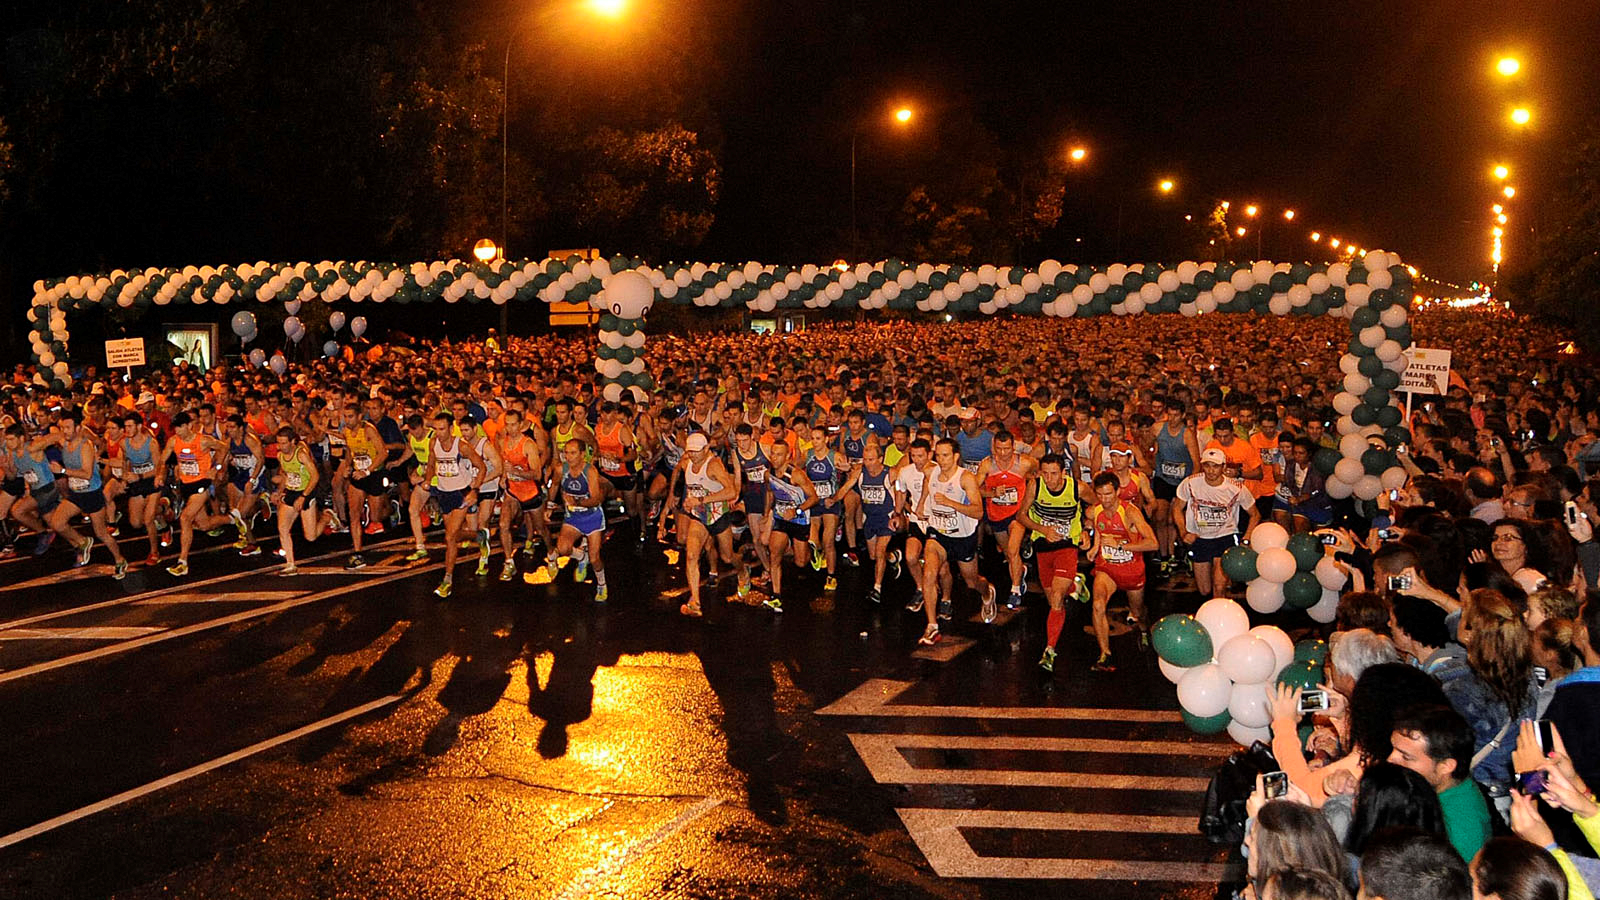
1251	210
1334	242
1239	231
1509	192
1521	115
1316	236
485	250
1501	173
611	9
903	115
1498	209
1077	154
1501	218
1226	205
1496	231
1288	214
1508	66
1166	185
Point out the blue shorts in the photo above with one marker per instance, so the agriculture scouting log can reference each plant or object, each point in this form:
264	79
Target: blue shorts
586	521
449	501
1204	550
877	528
958	549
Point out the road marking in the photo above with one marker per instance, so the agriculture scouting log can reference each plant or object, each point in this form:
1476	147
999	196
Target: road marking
888	766
245	615
873	696
17	837
588	882
91	571
1046	744
937	833
224	597
341	570
159	592
949	647
91	633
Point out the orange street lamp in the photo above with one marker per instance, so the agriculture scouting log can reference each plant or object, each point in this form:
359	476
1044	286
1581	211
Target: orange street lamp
611	9
1498	209
1288	214
1501	173
485	250
1508	66
1077	154
903	115
1521	116
1239	231
1316	236
1334	242
1509	192
1251	210
1166	185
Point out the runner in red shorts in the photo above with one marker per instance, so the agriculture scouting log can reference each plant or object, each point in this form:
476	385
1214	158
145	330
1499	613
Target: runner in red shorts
1121	539
1053	515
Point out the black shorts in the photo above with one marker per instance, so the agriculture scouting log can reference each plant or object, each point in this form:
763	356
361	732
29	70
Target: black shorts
1204	550
959	549
87	502
48	497
488	496
448	501
142	487
1164	490
16	487
374	484
187	489
624	483
916	531
796	531
1264	507
289	497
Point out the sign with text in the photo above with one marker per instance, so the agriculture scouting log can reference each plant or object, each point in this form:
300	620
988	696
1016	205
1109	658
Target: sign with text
124	353
1427	371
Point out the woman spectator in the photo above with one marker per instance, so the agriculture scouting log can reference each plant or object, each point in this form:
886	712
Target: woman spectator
1362	609
1510	868
1387	796
1520	551
1307	884
1554	657
1498	687
1289	836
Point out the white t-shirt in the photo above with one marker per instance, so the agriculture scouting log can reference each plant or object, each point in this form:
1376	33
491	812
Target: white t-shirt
1212	511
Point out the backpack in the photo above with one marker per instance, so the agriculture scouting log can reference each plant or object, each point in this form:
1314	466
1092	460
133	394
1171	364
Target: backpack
1223	815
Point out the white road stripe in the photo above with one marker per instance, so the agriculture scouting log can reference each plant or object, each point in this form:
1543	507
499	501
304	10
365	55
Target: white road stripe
872	699
937	834
223	597
1044	744
889	766
82	812
90	633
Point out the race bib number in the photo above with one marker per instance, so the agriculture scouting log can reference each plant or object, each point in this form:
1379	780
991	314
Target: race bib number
943	518
30	478
1213	516
824	489
1116	555
784	510
1006	496
1174	470
972	466
610	464
142	468
362	463
78	485
1282	493
874	494
756	476
446	468
188	467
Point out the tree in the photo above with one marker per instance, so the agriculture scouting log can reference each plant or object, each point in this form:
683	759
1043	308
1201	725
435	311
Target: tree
649	191
1560	278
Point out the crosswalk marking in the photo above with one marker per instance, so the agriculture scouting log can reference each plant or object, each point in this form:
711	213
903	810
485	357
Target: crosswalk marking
937	833
223	597
92	633
889	766
872	698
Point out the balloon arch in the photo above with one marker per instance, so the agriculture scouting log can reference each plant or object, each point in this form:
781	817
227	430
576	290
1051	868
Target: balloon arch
1371	293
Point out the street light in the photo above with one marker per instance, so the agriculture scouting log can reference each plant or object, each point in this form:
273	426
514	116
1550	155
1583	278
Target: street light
1288	215
1334	242
485	250
1166	185
902	116
1077	154
1508	66
1509	192
1240	231
1501	173
1251	210
1521	116
1316	236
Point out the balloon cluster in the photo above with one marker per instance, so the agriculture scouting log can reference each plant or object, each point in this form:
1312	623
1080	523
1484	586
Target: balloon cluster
1371	292
1225	670
1282	570
624	302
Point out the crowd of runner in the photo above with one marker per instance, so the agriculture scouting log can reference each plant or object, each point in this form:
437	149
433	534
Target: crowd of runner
1093	457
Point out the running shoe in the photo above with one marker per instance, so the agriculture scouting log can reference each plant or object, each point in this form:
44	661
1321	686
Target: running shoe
335	524
832	584
1103	664
581	573
251	550
355	562
851	558
417	555
774	603
483	539
154	559
218	531
1081	590
85	550
990	610
8	551
509	570
239	523
483	565
601	593
944	611
743	591
690	609
373	528
1014	599
1047	662
44	543
875	595
527	547
551	570
121	570
179	569
916	603
240	544
894	565
930	636
443	590
288	571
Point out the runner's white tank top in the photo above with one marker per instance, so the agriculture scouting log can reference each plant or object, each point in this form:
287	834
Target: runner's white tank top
948	520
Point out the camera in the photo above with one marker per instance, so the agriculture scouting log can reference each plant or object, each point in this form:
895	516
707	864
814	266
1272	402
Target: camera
1329	540
1399	582
1546	734
1275	784
1572	514
1531	783
1387	534
1313	701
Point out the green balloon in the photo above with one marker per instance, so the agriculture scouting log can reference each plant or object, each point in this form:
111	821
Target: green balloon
1325	460
624	355
605	352
1239	563
1388	379
1389	417
1376	461
1302	591
1398	435
627	327
1307	550
1369	365
1182	641
1209	725
1312	650
1304	675
608	322
1376	396
1365	317
1364	414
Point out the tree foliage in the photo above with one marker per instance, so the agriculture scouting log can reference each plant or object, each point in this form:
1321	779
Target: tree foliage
1560	278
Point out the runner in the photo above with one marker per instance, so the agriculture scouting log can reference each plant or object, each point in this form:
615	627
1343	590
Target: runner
882	520
484	511
1207	508
455	471
705	523
140	451
1176	452
618	460
793	498
1133	486
1053	514
84	495
1002	478
524	495
852	444
750	468
824	467
952	505
909	479
1087	451
419	441
1121	538
584	521
295	496
246	481
41	494
194	455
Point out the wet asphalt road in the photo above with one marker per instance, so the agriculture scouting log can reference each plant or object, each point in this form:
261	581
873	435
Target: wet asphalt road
238	734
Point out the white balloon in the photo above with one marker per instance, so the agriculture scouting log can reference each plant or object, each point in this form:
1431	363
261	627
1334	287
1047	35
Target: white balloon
1378	279
1263	596
1349	469
1269	536
1135	306
1098	282
1337	489
1242	280
1357	295
1262	271
1357	383
1204	691
1082	294
1049	269
1250	704
1375	260
1187	271
1282	645
986	273
1276	565
1353	445
1393	478
1224	620
1247	736
1247	659
1171	672
1372	336
1299	295
1369	487
1116	272
1224	292
1393	317
1390	350
1326	609
1345	403
1031	282
1207	303
1318	282
967	282
1067	307
1150	292
1167	281
1329	575
1279	304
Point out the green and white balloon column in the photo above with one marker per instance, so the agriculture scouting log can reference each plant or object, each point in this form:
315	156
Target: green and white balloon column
624	301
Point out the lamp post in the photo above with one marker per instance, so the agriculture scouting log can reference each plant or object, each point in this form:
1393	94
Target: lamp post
902	116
